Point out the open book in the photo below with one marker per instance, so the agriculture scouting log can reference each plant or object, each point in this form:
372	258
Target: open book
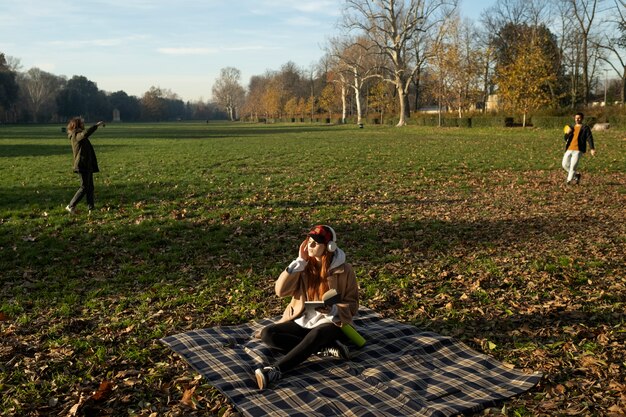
329	298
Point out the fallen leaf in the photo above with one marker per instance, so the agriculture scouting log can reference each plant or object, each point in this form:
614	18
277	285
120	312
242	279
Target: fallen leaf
188	398
104	391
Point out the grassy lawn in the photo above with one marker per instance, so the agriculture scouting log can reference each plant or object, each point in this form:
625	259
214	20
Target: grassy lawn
465	232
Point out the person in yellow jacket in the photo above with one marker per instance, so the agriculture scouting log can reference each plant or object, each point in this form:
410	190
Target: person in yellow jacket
576	139
301	332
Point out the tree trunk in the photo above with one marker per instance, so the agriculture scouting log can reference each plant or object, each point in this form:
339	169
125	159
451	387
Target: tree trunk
343	103
623	95
586	83
402	100
357	98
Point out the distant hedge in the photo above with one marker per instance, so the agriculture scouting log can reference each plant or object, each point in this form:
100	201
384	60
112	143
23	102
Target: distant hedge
557	122
445	121
542	122
492	121
617	122
551	122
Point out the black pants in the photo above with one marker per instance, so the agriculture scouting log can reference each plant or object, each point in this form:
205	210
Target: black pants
86	189
297	342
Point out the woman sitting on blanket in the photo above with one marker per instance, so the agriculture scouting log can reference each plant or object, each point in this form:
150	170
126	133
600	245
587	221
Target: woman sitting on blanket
301	331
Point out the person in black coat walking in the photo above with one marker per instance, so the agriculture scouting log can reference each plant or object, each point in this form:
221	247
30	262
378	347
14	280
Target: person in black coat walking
85	161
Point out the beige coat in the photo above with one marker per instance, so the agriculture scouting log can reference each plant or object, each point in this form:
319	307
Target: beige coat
341	278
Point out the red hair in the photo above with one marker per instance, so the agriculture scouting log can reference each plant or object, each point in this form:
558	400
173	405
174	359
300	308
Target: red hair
317	274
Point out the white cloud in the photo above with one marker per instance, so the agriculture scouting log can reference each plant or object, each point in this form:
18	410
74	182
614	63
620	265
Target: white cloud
207	51
187	51
97	42
252	48
302	21
46	66
326	7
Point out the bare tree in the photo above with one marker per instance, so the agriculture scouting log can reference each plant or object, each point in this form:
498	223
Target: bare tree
394	26
13	63
356	64
517	12
227	92
615	43
38	88
583	14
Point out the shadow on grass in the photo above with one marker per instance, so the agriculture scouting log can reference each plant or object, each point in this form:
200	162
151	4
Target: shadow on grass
43	149
155	243
8	151
210	131
51	198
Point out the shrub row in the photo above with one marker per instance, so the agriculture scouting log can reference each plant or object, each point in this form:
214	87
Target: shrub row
617	122
542	122
557	122
477	121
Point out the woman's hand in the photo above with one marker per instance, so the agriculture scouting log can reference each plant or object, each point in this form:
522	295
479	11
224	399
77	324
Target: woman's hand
100	123
304	250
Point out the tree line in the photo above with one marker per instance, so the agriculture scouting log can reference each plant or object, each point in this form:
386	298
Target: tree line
389	58
399	56
37	96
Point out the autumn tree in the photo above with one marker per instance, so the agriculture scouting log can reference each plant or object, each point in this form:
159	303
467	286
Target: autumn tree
227	91
153	105
327	99
291	107
311	106
302	107
500	22
273	97
457	66
524	84
254	98
380	99
510	41
393	26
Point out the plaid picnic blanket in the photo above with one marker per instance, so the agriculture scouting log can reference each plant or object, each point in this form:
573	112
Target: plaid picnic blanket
401	371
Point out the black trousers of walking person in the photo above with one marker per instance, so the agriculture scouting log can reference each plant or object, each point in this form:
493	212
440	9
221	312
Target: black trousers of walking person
86	189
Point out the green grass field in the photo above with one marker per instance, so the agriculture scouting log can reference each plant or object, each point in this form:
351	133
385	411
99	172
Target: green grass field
466	232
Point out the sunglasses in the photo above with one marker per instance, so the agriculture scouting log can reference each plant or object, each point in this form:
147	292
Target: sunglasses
313	243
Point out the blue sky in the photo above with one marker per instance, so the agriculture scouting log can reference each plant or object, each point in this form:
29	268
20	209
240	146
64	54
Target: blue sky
179	45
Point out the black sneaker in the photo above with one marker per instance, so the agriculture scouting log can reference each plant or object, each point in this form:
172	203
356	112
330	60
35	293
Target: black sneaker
338	351
266	375
577	178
